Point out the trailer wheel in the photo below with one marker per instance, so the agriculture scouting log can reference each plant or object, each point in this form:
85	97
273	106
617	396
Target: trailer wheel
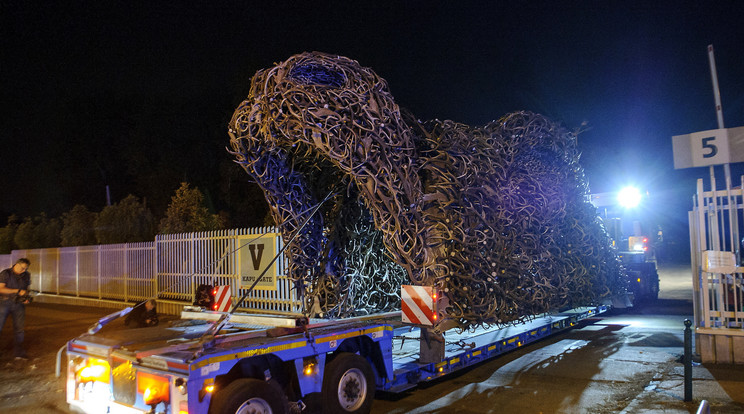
348	385
250	396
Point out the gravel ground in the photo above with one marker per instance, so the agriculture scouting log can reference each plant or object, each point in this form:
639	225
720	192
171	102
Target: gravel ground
32	386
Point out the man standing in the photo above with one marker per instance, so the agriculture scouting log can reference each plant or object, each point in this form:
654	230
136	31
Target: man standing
14	283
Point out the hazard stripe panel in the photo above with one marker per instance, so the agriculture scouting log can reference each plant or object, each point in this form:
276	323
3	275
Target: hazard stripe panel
222	300
418	305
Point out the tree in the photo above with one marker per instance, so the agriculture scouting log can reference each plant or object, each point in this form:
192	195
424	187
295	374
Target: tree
24	235
127	221
38	232
78	227
48	231
188	213
7	234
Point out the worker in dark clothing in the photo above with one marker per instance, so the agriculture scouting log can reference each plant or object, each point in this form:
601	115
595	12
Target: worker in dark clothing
204	297
14	282
143	314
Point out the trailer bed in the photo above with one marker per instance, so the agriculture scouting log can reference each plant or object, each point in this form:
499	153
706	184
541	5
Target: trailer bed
464	349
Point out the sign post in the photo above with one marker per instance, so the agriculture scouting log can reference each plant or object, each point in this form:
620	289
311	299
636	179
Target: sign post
720	146
726	167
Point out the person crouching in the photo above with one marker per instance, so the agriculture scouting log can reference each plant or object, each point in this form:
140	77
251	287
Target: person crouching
143	314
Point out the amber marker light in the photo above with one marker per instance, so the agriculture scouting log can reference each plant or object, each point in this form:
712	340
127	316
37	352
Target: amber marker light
154	388
94	370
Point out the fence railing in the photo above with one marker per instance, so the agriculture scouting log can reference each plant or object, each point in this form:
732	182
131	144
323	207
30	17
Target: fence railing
718	275
170	268
716	227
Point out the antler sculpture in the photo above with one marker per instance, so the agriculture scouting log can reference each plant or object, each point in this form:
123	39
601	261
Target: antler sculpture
496	216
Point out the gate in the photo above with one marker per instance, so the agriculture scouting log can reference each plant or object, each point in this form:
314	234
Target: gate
715	240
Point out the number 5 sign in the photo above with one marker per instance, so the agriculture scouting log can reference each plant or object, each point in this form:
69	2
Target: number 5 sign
717	146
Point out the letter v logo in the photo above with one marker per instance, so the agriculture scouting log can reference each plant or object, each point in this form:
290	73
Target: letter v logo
256	257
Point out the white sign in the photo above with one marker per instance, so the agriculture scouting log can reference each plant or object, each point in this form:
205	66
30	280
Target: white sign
254	257
719	262
206	370
713	147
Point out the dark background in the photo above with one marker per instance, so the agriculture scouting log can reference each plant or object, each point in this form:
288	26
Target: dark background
137	95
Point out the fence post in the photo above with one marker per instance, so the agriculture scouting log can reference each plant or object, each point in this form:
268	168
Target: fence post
41	271
126	272
155	265
191	254
99	254
688	360
77	271
59	258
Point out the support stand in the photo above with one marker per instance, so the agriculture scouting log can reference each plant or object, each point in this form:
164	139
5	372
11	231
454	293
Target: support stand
431	346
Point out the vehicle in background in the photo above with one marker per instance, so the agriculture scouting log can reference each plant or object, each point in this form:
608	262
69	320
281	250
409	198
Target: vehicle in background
628	222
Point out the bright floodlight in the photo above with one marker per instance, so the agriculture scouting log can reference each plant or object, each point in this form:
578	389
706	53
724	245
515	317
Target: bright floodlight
629	197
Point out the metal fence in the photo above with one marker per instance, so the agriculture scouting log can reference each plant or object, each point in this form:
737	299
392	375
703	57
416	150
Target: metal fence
715	229
169	268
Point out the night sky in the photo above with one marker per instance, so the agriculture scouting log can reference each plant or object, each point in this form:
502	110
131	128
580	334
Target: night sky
137	95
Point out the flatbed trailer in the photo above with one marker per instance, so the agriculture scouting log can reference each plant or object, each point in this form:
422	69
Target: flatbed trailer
468	348
274	365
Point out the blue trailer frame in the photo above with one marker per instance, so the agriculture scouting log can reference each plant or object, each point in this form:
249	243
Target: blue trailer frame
484	344
193	370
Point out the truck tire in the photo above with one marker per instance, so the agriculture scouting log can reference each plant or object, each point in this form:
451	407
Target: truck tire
348	385
250	396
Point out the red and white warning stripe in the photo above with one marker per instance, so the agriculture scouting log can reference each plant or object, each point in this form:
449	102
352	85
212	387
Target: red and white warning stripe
222	299
418	304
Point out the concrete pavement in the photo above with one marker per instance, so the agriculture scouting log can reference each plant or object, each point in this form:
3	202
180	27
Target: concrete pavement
659	344
618	363
621	362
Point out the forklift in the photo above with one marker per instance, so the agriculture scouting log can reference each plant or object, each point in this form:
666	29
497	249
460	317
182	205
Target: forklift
628	225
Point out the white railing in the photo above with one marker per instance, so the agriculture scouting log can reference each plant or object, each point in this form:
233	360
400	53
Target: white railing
715	226
5	261
187	260
169	268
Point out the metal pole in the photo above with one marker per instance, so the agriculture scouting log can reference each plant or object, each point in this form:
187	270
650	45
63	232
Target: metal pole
688	360
713	239
716	91
733	222
704	407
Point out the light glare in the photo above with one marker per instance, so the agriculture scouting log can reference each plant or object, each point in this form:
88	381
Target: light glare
629	197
